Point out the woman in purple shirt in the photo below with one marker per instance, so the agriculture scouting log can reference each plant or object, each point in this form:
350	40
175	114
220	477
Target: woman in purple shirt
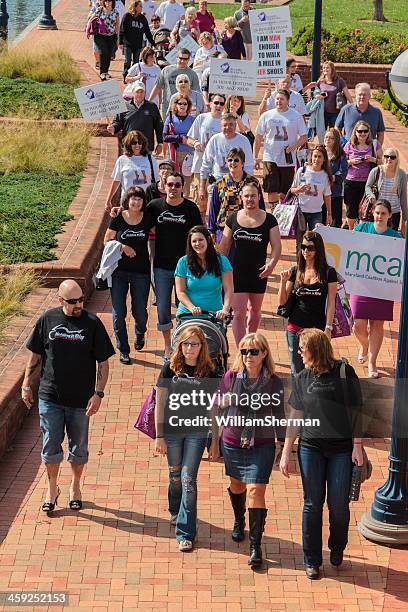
232	41
248	437
362	154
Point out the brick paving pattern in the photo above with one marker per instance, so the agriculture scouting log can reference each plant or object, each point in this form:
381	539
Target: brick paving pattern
119	552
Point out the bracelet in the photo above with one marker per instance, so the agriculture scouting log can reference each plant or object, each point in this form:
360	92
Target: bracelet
26	388
327	326
159	437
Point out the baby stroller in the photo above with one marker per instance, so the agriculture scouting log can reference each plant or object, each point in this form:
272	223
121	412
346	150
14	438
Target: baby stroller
215	332
162	43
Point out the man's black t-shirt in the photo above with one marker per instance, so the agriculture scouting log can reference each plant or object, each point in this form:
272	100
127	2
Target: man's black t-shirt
70	347
135	236
310	305
172	226
323	397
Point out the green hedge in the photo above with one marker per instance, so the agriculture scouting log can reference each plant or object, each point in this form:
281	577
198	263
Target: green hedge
383	97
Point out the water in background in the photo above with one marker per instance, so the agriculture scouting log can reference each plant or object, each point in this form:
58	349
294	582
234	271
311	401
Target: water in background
21	14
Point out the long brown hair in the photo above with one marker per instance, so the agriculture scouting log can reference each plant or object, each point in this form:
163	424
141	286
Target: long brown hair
241	109
326	164
317	343
320	262
254	340
128	140
332	71
354	137
205	366
337	148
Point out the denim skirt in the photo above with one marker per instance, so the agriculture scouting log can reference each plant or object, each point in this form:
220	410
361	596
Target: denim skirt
250	465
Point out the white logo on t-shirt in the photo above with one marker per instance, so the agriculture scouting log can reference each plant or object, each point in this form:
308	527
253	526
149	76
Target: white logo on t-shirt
59	332
167	216
128	233
241	234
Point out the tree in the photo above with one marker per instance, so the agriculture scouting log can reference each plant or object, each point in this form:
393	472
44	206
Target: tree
378	10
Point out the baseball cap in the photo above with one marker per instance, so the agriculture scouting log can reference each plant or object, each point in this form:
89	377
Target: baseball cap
138	85
167	162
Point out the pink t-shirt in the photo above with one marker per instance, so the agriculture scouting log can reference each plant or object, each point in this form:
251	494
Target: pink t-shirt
205	22
361	171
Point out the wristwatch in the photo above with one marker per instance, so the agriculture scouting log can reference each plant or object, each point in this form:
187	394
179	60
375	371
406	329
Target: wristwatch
99	393
327	326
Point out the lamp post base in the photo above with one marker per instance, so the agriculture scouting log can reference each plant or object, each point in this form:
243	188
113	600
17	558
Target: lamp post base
47	23
383	533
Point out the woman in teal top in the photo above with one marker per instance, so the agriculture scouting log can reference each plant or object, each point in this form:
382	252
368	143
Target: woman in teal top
203	276
370	313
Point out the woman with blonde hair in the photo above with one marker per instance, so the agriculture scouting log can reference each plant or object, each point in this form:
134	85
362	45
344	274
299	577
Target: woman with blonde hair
231	39
177	124
189	369
327	395
333	91
248	435
361	153
205	52
391	185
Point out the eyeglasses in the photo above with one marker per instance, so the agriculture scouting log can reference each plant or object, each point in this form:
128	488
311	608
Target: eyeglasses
73	301
251	351
191	344
390	157
182	104
178	185
236	160
219	103
301	349
362	131
308	247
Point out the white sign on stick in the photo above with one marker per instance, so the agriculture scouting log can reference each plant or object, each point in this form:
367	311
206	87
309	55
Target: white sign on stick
187	42
270	21
270	49
100	100
233	77
372	265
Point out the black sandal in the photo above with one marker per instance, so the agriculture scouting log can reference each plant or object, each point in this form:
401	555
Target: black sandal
50	506
75	504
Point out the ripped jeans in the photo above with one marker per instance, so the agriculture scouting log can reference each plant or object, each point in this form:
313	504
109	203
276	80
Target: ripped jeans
184	455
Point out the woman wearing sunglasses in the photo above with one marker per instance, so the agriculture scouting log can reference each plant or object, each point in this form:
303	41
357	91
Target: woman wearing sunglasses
251	230
326	452
305	290
183	86
391	182
135	168
177	124
361	153
190	368
248	436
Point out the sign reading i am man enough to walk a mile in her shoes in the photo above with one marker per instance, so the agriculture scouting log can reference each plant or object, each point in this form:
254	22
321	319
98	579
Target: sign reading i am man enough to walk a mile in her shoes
233	77
100	100
269	28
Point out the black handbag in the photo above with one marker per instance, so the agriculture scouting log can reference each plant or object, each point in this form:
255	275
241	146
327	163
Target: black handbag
251	137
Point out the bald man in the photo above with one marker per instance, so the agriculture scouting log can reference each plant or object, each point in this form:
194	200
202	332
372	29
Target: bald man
71	348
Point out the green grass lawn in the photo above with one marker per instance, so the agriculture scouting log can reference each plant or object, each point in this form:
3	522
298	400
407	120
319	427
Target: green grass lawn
34	100
336	14
33	208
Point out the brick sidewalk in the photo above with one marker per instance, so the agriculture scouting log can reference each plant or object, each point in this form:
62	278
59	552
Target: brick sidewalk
119	552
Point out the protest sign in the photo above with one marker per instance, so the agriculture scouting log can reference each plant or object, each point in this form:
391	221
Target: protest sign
270	21
270	49
100	100
372	265
233	77
187	42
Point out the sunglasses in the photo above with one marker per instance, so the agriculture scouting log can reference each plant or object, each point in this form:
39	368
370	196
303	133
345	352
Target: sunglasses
362	131
174	185
182	81
251	351
73	301
390	157
184	59
236	160
308	247
219	103
182	104
136	142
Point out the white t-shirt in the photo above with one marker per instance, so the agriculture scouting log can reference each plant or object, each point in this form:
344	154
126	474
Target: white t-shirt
151	74
295	101
205	54
215	155
279	131
134	171
120	7
149	9
319	187
296	82
170	13
203	128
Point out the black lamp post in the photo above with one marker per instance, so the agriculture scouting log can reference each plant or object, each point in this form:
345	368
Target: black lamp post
317	40
3	21
387	523
47	21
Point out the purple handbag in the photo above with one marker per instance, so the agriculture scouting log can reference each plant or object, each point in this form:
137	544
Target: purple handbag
145	420
343	319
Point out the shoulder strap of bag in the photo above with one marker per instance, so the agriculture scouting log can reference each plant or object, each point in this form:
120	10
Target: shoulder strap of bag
149	157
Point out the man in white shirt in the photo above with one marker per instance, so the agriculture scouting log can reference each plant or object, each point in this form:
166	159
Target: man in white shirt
198	136
215	155
166	82
283	130
295	101
149	9
170	12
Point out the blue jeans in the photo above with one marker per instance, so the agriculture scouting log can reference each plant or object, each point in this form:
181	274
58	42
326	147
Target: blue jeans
184	456
317	469
131	57
296	362
164	283
312	219
139	285
54	421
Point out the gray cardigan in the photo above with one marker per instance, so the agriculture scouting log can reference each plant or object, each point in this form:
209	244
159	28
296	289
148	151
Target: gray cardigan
401	189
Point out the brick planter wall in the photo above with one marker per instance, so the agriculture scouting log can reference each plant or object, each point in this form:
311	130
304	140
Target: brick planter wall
374	74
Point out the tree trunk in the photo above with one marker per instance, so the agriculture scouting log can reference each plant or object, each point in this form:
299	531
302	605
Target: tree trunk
378	11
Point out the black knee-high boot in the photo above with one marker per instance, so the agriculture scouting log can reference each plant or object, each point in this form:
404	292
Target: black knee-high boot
257	518
238	505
